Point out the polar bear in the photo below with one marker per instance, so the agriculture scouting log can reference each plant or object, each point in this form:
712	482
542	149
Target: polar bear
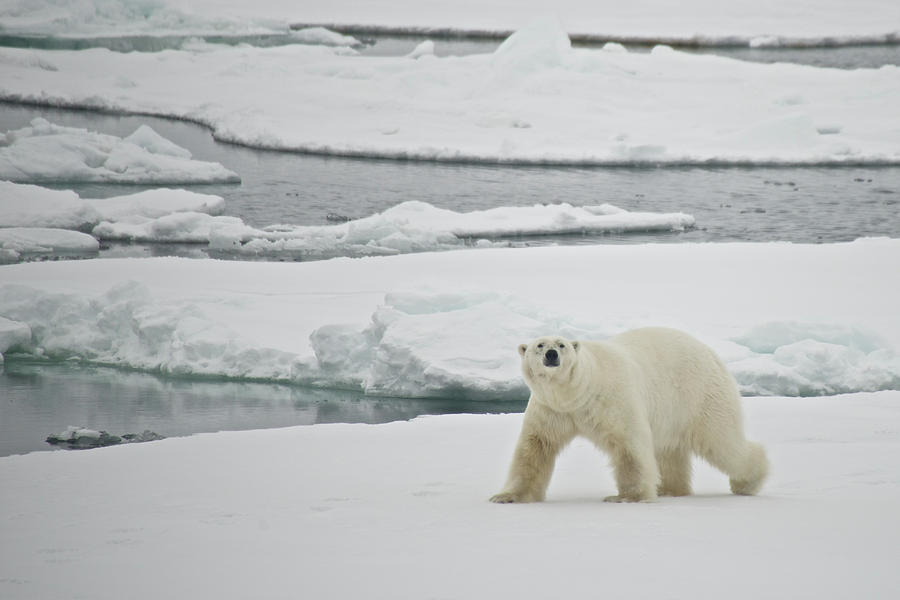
649	398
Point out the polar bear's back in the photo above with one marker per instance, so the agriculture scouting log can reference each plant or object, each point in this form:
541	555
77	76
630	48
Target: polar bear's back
685	383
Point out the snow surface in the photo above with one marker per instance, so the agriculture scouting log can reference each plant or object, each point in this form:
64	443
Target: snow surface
400	511
699	22
535	100
788	319
44	152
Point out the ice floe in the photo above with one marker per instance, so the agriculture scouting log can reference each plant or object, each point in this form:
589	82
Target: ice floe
694	22
82	437
18	241
23	205
13	333
45	152
164	215
535	100
787	319
87	18
414	226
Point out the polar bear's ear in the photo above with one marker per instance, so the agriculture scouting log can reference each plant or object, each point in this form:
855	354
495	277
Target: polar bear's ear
522	349
575	346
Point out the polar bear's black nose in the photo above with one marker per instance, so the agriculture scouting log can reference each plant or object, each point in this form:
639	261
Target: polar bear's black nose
551	358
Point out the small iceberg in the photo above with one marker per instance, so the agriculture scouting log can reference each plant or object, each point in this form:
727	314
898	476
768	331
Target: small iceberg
82	437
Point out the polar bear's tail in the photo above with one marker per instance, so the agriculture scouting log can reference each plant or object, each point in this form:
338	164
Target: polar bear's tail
756	468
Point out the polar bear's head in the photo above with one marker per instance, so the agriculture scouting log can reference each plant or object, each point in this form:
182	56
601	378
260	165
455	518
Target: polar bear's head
548	358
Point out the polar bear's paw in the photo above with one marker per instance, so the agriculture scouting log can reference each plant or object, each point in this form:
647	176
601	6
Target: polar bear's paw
509	498
630	499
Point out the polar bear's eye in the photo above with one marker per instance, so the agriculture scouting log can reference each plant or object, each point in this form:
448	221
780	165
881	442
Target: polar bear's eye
540	345
562	345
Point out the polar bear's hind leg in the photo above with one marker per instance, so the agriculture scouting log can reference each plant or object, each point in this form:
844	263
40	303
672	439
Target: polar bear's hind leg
675	471
743	461
755	468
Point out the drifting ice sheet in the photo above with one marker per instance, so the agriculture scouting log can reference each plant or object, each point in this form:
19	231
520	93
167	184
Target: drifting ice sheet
698	22
16	241
417	226
447	324
44	152
23	205
535	100
180	216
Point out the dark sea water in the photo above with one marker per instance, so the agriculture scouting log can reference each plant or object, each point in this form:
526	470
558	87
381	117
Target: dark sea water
811	204
37	400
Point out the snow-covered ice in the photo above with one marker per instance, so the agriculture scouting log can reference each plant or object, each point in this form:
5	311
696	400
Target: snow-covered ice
535	100
787	319
94	18
164	215
34	219
400	511
18	241
13	333
23	205
697	22
45	152
414	226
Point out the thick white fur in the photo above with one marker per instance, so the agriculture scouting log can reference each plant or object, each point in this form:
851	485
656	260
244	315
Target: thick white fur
650	398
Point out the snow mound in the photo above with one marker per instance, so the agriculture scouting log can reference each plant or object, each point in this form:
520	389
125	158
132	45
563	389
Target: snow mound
402	351
805	359
44	152
535	100
540	45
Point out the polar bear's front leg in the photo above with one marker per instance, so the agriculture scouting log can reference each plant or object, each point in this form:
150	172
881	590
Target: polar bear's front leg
636	471
529	474
543	436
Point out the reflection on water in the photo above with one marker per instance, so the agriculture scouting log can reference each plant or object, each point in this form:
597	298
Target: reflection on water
38	399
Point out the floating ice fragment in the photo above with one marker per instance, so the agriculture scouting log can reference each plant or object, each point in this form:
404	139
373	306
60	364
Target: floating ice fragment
45	152
41	240
426	48
81	437
614	48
